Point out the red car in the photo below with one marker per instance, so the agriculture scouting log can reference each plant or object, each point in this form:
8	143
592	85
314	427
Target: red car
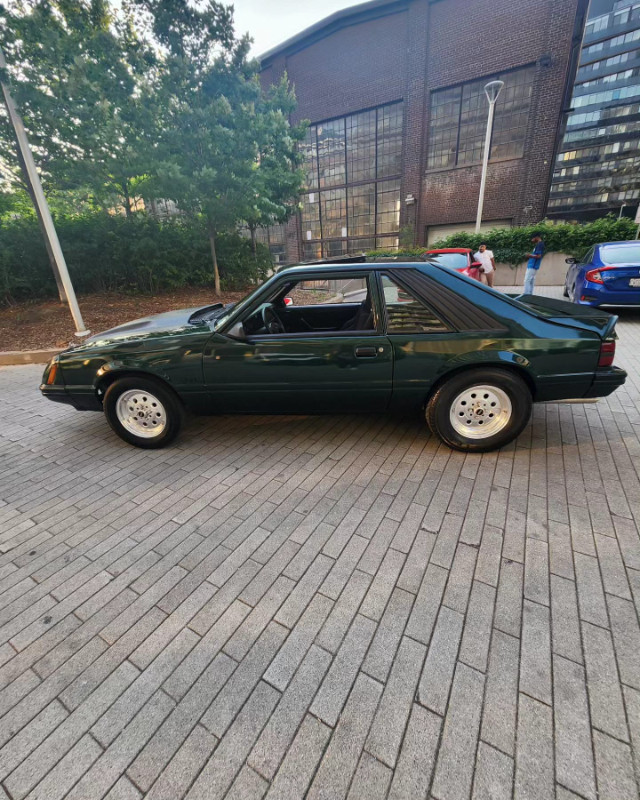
458	258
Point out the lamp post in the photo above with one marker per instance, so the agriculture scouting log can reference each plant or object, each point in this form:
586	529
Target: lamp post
492	90
42	209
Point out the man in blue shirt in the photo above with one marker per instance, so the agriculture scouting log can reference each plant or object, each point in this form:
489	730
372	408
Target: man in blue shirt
533	264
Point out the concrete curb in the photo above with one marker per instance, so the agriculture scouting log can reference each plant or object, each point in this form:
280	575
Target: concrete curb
9	358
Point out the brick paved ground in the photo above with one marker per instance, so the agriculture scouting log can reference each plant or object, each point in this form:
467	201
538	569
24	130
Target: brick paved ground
335	606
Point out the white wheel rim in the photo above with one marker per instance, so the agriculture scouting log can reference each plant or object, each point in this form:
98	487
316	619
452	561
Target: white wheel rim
480	412
141	413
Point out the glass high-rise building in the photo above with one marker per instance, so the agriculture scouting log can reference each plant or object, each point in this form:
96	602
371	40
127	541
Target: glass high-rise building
597	168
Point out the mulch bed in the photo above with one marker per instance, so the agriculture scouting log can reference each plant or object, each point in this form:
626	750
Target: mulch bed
36	326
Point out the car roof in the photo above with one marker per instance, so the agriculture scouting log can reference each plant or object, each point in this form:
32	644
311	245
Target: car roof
613	244
349	267
451	250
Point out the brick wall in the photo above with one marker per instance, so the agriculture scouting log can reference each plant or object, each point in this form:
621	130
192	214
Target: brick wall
423	45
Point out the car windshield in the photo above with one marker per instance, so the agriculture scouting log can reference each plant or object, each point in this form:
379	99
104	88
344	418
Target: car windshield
453	260
621	254
221	320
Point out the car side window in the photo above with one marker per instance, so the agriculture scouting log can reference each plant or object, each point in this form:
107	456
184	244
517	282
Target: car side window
588	257
405	313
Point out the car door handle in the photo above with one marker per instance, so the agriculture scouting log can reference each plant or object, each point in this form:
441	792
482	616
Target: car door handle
366	352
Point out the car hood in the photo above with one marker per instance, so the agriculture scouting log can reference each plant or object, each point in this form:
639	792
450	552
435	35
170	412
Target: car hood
169	323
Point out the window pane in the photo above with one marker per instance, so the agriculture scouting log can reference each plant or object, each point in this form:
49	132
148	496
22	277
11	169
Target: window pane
443	127
333	249
388	217
334	214
331	153
310	216
389	140
473	122
405	313
310	158
331	291
362	210
361	245
361	146
311	251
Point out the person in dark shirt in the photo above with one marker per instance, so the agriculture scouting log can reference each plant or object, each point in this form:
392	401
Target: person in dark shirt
533	264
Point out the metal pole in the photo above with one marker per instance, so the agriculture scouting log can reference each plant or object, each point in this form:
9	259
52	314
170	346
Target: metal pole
621	209
492	90
51	237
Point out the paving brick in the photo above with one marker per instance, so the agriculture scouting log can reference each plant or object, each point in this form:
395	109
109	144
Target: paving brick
565	624
614	768
279	731
536	571
488	566
426	606
626	637
284	665
494	775
374	603
605	695
112	763
247	786
391	718
185	766
574	755
237	689
474	648
417	757
161	748
371	780
416	562
343	612
220	771
337	684
454	766
343	753
535	669
437	675
501	693
299	766
292	609
67	771
508	610
24	742
590	593
534	755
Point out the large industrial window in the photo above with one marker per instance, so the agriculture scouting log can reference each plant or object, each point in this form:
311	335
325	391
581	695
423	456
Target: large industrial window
458	120
352	198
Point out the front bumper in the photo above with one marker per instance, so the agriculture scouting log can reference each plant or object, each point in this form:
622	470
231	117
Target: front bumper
606	381
81	401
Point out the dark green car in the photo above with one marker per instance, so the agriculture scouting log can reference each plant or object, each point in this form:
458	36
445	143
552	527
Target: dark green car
330	339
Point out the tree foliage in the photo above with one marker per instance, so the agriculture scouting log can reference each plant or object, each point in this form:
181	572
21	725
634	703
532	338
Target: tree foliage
153	99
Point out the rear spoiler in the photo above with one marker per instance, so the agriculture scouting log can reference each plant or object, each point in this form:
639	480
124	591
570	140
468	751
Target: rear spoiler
570	314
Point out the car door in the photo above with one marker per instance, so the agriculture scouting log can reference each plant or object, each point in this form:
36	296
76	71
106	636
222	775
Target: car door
302	372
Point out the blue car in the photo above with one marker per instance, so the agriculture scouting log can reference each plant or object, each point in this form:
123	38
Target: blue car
609	275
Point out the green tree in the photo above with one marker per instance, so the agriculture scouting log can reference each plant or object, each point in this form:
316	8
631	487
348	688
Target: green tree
81	78
225	151
272	194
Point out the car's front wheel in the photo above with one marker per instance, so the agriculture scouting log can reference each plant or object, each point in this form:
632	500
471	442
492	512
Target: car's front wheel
480	409
143	412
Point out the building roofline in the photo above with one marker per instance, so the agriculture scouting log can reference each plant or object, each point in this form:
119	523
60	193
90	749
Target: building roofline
339	19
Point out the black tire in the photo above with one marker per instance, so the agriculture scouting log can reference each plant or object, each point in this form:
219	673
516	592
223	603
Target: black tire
565	290
170	404
439	408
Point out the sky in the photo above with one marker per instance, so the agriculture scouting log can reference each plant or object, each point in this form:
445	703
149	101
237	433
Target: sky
271	22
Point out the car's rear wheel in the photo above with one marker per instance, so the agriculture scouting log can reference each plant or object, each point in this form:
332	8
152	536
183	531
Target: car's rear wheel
565	289
479	409
143	412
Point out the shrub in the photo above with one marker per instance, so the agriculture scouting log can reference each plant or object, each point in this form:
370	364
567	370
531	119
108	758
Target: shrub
113	253
510	245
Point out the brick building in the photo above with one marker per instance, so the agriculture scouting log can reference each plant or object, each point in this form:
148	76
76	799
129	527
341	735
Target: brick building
394	92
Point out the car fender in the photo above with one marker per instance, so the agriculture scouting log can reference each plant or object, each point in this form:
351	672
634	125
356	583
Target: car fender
488	358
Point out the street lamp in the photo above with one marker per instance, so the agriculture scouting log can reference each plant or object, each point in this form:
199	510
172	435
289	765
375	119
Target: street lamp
492	90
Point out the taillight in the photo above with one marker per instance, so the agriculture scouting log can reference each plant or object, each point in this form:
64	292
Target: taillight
607	353
594	276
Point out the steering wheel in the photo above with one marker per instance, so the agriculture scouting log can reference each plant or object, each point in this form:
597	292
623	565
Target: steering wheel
271	320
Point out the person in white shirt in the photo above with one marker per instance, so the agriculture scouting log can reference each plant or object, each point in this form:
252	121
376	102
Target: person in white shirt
485	257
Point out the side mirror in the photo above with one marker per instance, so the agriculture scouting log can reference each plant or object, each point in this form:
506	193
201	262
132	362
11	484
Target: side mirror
571	261
476	265
237	331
